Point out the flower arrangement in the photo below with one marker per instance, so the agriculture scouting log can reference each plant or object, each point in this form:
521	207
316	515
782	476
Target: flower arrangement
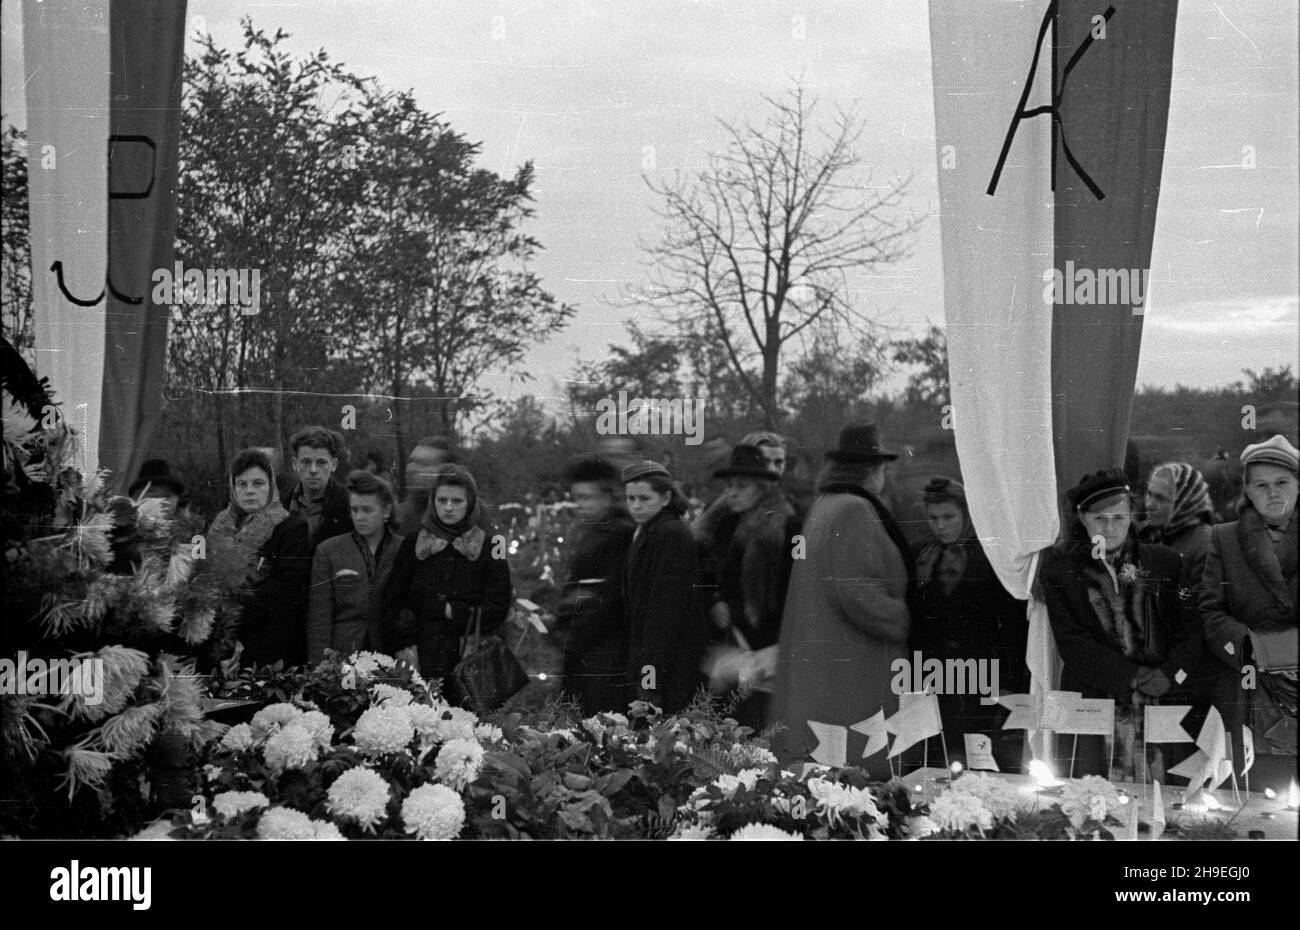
978	806
112	583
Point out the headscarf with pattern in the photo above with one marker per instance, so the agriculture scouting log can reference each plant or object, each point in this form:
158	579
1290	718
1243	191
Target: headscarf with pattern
1190	505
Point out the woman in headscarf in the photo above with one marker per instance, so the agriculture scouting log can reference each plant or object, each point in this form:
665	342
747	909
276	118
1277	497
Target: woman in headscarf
1116	609
1248	602
846	618
1179	514
666	626
963	612
259	548
746	537
446	575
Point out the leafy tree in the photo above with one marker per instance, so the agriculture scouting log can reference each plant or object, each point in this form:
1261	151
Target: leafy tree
440	289
265	185
760	247
929	385
1271	382
15	253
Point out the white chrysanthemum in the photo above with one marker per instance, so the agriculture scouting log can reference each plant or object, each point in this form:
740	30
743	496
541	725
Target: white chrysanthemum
285	823
487	733
433	812
290	748
359	794
835	802
693	831
238	738
273	717
390	694
749	777
958	811
383	729
367	663
212	772
566	733
763	831
319	726
327	831
458	762
452	723
1091	797
233	803
595	727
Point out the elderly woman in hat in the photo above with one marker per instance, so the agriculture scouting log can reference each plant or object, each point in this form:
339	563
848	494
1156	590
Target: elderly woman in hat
846	615
1116	610
746	538
666	626
962	613
1248	602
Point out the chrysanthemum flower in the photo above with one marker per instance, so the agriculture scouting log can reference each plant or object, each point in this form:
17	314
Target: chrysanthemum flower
285	823
238	738
319	726
233	803
763	831
433	812
835	801
390	694
359	794
458	762
290	748
273	717
382	730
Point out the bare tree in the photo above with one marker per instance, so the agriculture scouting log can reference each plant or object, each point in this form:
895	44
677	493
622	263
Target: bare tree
761	246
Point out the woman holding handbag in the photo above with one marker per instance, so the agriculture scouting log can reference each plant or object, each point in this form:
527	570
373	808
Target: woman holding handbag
446	576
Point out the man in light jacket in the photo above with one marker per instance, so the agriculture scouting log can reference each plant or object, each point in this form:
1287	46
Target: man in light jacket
349	572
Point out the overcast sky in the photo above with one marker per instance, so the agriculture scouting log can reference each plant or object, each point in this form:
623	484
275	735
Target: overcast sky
582	88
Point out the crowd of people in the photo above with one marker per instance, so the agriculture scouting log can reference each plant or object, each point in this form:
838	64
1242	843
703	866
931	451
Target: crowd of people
798	612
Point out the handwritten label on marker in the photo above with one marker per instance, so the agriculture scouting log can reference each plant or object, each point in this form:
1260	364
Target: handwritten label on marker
979	752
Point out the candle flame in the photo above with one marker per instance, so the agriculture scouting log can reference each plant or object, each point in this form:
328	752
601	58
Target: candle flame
1293	795
1270	793
956	768
1042	773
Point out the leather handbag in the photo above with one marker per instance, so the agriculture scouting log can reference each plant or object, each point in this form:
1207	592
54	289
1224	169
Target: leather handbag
488	673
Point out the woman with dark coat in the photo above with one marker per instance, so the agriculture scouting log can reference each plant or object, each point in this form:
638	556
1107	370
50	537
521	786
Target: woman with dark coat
591	601
446	574
846	617
258	548
1116	608
1248	602
666	627
747	538
963	612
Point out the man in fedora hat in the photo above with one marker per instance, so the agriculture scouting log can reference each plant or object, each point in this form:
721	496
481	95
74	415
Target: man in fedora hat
847	614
